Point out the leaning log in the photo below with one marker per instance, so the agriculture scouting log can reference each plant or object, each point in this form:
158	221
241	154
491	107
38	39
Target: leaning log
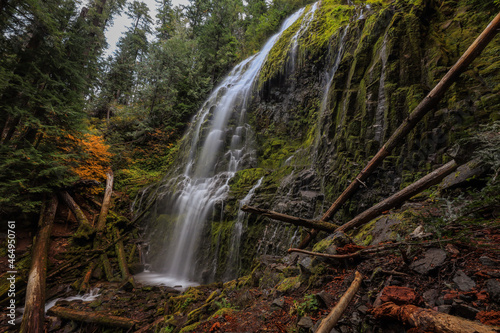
75	209
333	317
101	222
430	321
34	307
92	317
320	225
427	104
420	185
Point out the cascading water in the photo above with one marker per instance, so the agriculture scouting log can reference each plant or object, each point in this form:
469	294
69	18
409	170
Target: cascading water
217	151
233	262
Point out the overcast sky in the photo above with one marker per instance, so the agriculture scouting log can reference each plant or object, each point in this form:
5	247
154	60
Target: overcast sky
114	32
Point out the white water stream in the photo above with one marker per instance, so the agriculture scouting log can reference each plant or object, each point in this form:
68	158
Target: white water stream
218	149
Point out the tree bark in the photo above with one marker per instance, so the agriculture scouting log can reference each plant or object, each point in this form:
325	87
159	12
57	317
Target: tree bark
427	104
423	183
101	222
92	317
75	209
430	321
320	225
122	258
326	255
333	317
34	307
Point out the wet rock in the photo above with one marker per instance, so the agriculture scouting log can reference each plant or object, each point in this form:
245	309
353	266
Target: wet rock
306	265
430	296
325	299
305	322
487	261
493	289
278	302
432	259
136	268
363	309
400	295
444	309
463	173
383	230
464	282
464	311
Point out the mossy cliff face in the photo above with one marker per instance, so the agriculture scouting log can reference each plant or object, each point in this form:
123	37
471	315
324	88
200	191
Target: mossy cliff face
309	146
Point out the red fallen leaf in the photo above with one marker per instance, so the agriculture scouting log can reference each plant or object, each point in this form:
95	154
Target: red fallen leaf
400	295
489	317
215	327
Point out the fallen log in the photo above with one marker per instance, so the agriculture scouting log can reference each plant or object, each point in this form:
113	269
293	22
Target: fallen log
92	317
122	258
148	327
333	317
420	185
429	320
75	209
427	104
320	225
101	222
326	255
34	307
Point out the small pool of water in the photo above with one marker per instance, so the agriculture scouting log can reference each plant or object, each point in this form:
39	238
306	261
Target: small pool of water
159	279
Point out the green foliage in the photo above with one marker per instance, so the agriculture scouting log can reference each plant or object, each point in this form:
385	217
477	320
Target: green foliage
310	305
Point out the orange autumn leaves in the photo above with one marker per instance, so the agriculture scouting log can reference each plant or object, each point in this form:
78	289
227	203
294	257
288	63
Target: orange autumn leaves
91	158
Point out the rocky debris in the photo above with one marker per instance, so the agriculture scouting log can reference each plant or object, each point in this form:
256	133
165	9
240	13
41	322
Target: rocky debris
325	299
433	259
279	302
464	282
305	322
430	296
462	174
493	289
487	261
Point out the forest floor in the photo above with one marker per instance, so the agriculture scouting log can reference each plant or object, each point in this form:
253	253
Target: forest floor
293	293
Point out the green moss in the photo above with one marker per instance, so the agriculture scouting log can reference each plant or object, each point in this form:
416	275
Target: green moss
190	328
289	284
221	312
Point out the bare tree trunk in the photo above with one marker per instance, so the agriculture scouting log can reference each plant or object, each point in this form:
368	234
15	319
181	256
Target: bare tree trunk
430	321
423	183
427	104
101	222
75	209
34	307
320	225
333	317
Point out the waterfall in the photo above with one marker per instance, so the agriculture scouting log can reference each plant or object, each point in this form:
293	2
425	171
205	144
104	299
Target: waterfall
233	262
220	145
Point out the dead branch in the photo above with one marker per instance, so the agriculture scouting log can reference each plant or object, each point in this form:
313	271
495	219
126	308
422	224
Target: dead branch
75	209
420	185
326	255
333	317
320	225
429	320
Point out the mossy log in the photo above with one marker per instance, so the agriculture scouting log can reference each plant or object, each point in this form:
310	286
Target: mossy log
430	321
122	258
320	225
427	104
34	307
333	317
75	209
420	185
92	317
101	222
